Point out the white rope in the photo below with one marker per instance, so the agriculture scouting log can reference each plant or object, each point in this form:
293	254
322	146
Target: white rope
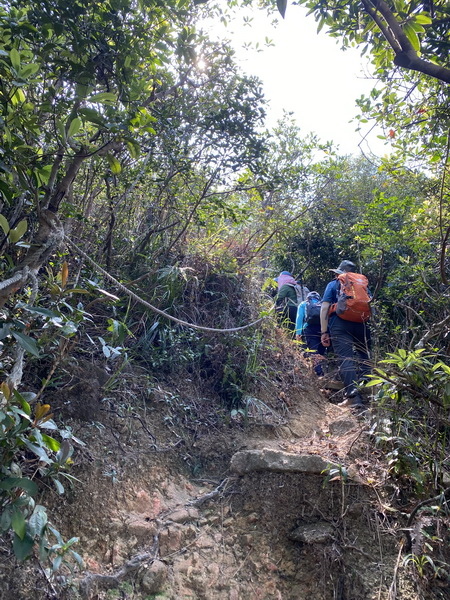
150	306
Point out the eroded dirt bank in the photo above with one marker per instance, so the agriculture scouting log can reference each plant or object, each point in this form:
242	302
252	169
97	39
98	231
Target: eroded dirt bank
180	501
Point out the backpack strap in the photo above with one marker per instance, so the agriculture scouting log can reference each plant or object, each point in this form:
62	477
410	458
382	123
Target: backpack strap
333	306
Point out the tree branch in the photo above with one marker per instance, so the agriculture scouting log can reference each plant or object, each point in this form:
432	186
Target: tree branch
405	55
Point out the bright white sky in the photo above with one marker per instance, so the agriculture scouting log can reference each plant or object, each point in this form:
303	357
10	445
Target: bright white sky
306	73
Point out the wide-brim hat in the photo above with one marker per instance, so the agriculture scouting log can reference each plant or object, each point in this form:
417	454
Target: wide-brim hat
346	266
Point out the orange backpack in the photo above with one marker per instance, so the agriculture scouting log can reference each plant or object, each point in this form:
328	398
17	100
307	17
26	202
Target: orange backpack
353	302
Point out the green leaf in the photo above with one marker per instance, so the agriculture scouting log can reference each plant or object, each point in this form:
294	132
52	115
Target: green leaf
114	164
38	521
78	558
56	563
18	97
43	174
59	486
418	28
50	424
373	382
38	451
133	149
65	452
26	342
22	547
6	190
76	291
103	98
23	483
28	70
92	116
74	127
15	59
24	400
61	130
4	224
69	328
39	311
19	524
82	90
422	19
51	443
412	36
16	233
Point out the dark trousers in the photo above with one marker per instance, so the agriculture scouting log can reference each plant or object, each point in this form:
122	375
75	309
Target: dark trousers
351	342
287	317
312	338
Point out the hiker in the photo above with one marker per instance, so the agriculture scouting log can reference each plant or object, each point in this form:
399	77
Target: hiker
344	322
308	327
290	294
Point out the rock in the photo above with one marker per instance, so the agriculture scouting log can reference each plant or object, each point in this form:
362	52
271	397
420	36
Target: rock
184	515
154	577
142	529
205	541
354	475
313	533
341	427
171	540
278	461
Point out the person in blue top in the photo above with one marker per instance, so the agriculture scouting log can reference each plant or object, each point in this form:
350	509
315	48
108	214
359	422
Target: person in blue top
310	331
351	341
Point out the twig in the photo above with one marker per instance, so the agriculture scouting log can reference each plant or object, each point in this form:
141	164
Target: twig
392	595
220	489
100	581
355	440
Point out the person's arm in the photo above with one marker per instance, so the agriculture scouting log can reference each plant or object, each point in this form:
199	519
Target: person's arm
327	300
282	293
300	321
324	335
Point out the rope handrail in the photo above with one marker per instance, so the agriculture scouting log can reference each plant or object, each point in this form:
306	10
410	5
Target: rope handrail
163	313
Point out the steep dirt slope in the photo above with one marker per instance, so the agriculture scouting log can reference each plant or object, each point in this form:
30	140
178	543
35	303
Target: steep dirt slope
182	500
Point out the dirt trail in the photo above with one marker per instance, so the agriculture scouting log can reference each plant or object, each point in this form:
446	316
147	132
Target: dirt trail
178	507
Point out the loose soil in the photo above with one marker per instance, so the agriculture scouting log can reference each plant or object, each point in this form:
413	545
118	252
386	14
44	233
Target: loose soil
160	514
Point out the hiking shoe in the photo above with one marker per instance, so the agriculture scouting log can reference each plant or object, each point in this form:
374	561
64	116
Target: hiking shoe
352	402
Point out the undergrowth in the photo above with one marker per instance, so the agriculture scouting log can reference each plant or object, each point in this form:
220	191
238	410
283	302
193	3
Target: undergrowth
413	431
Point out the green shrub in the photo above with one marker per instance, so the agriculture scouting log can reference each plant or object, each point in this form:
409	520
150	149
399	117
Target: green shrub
29	455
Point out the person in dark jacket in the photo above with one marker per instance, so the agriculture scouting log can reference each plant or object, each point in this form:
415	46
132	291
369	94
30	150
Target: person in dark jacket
287	300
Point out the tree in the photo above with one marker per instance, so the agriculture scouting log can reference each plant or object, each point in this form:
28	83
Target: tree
72	93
